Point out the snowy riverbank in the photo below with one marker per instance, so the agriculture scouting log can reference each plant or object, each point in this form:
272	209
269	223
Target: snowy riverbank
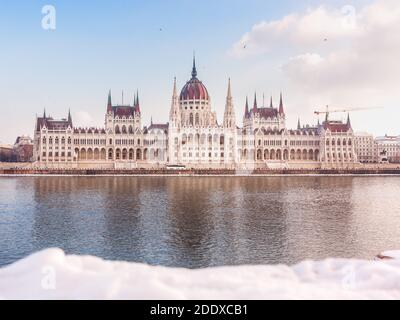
51	274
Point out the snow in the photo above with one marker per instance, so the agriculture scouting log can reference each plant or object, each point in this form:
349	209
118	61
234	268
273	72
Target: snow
51	274
391	254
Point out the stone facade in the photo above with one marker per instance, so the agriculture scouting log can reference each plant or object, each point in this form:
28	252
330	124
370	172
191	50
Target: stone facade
193	138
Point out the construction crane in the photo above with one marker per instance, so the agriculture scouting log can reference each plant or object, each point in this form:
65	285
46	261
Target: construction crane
327	111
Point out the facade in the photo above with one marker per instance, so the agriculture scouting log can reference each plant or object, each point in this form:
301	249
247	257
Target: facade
194	138
6	153
388	148
23	149
366	147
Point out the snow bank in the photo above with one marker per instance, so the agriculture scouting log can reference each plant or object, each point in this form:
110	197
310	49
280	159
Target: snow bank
51	274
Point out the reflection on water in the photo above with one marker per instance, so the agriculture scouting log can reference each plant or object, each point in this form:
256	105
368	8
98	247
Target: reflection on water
200	221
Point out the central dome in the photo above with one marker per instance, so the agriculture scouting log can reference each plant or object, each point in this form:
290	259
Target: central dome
194	89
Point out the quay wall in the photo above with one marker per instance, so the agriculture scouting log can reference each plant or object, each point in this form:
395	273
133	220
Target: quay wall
206	172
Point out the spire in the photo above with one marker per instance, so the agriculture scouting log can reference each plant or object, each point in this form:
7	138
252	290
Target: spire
69	117
255	103
229	95
298	124
246	110
271	105
151	120
174	92
348	120
137	102
174	113
194	70
281	111
109	104
44	113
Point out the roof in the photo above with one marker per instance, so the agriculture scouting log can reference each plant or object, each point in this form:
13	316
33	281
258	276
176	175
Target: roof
336	126
159	126
124	111
266	112
52	124
194	89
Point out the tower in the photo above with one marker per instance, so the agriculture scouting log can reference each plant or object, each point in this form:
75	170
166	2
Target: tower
229	114
174	114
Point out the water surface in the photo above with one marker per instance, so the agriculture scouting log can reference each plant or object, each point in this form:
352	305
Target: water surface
200	221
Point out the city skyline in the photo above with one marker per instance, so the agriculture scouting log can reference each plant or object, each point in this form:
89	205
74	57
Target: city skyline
74	66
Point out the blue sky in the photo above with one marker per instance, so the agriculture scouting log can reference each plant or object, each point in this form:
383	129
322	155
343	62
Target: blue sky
118	45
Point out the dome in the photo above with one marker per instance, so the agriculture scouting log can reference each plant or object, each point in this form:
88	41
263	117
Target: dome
194	88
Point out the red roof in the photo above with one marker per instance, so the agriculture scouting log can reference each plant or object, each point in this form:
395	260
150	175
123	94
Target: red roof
194	89
267	112
124	111
53	124
336	126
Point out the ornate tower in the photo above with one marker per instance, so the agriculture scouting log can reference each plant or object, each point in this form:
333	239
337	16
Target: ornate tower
110	113
174	114
229	114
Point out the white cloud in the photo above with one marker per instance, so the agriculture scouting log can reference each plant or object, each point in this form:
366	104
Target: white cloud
358	64
84	119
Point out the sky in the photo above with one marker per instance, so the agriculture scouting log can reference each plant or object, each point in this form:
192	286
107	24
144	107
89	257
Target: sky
344	54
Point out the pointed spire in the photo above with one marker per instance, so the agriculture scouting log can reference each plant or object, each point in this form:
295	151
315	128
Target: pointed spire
44	113
229	95
109	104
281	111
137	102
255	103
271	105
151	120
298	124
246	109
194	70
348	120
69	116
174	92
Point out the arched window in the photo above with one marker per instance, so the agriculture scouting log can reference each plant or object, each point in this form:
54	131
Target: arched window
191	119
197	119
117	130
44	140
124	130
69	140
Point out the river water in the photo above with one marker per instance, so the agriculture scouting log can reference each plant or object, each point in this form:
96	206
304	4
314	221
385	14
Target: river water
198	222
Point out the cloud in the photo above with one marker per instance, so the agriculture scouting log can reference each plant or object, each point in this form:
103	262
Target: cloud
358	64
84	119
298	31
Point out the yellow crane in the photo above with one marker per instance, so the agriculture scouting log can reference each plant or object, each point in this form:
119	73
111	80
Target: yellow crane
328	111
